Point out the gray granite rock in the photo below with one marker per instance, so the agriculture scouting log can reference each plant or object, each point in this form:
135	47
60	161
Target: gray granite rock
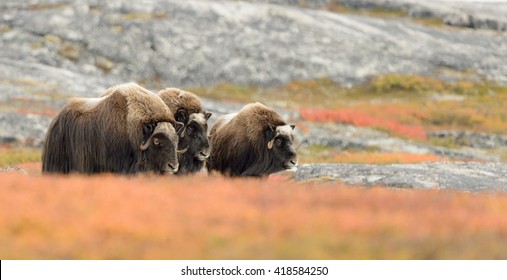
344	137
467	14
13	169
183	43
472	139
464	176
23	129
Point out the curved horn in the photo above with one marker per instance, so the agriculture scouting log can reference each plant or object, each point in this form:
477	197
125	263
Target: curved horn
145	145
270	144
183	129
182	151
179	127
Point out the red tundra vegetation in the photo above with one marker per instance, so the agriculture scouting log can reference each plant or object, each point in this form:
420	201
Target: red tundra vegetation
142	217
354	117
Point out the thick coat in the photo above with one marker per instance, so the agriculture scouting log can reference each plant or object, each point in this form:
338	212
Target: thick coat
127	130
188	109
253	142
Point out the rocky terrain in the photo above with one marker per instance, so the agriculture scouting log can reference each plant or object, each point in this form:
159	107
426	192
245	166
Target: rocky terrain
56	49
468	14
465	176
185	43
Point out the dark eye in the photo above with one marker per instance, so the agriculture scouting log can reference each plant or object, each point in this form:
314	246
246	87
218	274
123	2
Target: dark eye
278	141
191	130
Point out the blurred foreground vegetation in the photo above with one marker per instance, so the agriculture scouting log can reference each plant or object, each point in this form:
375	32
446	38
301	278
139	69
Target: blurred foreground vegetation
112	217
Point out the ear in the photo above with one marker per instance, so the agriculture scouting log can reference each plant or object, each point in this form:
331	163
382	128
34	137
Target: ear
292	126
181	116
207	115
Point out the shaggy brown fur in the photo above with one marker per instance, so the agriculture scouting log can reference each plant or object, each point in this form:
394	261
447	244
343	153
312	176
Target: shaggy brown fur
93	135
253	142
188	109
177	99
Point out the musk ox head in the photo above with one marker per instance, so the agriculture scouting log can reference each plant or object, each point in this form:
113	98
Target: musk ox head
255	142
159	149
194	139
188	109
279	145
194	135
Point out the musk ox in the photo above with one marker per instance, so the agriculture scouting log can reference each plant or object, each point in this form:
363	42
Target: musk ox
188	109
127	130
253	142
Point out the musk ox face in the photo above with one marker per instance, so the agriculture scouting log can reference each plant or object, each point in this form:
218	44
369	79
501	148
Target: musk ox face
194	135
280	146
159	150
194	140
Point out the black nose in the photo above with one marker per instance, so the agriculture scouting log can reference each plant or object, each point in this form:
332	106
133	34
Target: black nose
174	167
293	161
291	152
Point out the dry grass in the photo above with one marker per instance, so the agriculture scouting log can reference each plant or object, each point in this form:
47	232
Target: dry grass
320	154
144	16
16	156
384	13
47	6
373	12
109	217
406	83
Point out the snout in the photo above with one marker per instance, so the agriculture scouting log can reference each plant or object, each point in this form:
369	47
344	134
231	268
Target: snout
292	161
291	164
171	168
203	154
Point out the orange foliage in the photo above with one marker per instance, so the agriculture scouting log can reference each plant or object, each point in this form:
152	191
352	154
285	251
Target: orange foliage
111	217
351	116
